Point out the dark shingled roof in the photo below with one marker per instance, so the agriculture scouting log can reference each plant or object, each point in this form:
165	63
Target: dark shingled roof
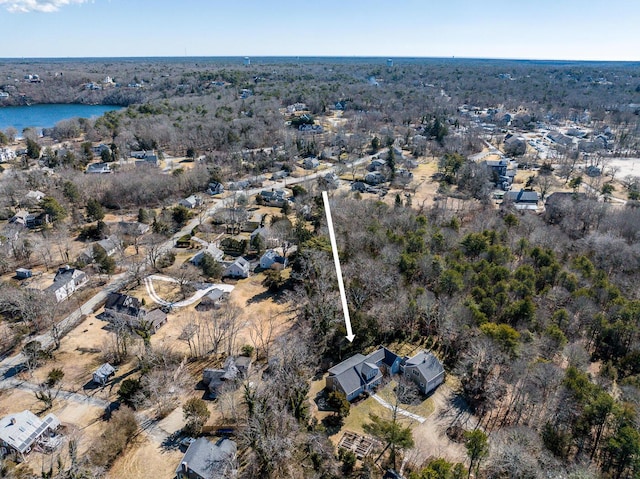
121	303
208	460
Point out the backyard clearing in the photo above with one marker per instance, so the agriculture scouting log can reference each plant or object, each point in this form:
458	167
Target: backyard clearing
146	459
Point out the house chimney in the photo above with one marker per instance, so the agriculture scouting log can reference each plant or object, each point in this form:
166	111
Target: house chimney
185	467
13	421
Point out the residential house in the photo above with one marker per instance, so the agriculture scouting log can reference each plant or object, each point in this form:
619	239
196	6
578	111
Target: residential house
133	228
98	168
238	269
515	145
206	460
360	373
234	368
243	364
398	155
4	94
97	150
523	199
425	370
310	163
34	196
274	197
238	185
23	273
142	154
210	249
126	309
212	300
268	235
279	175
103	373
501	172
271	258
374	178
110	245
66	281
359	186
215	188
20	432
29	220
296	107
559	138
149	160
191	202
306	128
376	164
154	320
331	180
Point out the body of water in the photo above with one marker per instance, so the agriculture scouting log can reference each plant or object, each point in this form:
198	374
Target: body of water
46	116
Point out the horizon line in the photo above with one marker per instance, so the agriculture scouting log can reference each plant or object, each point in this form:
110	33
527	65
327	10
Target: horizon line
391	57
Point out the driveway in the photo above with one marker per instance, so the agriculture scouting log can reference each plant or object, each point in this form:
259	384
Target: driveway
148	283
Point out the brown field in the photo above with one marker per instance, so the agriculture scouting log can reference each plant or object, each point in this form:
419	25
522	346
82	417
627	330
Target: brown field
145	459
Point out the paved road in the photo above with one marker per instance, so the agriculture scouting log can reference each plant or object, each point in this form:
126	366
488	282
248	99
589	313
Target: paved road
149	425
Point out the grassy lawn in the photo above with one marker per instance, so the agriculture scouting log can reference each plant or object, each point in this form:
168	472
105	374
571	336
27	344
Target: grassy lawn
359	415
424	409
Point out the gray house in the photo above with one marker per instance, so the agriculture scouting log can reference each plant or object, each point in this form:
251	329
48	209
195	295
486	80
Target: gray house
98	168
374	178
234	368
425	370
273	197
310	163
523	199
271	257
215	188
103	373
205	460
360	374
23	273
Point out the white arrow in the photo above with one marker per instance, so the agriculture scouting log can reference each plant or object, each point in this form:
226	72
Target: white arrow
336	259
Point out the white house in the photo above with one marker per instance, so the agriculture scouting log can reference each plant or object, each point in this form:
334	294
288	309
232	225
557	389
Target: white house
271	257
66	281
191	202
103	373
98	168
238	269
20	431
210	249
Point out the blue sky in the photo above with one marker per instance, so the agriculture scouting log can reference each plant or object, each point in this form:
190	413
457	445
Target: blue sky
532	29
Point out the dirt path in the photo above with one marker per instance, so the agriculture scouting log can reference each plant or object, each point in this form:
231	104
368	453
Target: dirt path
430	437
